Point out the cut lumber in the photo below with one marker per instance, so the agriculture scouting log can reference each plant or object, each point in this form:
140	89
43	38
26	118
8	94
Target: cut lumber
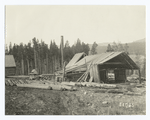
85	77
107	86
13	82
78	84
91	79
34	86
81	77
6	82
56	87
21	81
17	82
10	83
83	84
68	83
65	87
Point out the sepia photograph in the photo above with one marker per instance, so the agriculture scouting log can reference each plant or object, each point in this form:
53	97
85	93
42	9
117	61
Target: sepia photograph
75	60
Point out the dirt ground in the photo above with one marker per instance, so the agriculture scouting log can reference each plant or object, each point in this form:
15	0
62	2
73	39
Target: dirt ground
84	101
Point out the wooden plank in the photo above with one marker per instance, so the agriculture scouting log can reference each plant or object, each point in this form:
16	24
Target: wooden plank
86	77
91	79
34	86
97	73
81	77
113	63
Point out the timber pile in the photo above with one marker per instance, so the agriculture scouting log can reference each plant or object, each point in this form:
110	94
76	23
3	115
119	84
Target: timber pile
68	83
9	82
98	85
47	76
48	86
39	84
35	86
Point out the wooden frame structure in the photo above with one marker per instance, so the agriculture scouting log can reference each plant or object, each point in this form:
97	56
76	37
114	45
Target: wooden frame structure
117	61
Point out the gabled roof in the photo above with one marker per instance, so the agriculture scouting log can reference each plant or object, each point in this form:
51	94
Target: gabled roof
75	59
9	61
101	59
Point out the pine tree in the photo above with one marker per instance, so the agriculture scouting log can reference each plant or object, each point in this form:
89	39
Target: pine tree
93	49
120	47
10	48
67	52
109	49
85	48
126	47
6	50
115	47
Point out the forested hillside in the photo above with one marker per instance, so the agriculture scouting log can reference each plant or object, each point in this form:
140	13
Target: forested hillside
136	47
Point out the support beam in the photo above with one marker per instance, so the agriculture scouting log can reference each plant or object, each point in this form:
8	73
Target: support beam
127	61
63	72
140	76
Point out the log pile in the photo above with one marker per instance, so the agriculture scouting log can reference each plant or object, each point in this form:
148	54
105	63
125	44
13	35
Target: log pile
40	84
9	82
98	85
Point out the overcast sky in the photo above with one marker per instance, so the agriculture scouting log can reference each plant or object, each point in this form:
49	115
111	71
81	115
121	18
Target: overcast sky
88	23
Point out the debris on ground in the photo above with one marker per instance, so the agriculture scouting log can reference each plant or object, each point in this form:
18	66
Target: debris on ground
72	98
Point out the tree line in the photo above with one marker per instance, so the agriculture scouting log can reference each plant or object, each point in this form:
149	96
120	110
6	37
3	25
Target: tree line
47	58
41	56
117	47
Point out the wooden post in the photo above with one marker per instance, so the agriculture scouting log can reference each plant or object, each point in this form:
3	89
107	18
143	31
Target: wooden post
62	53
125	75
139	76
63	72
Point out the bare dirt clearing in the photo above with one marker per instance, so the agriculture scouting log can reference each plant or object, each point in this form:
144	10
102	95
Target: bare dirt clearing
84	101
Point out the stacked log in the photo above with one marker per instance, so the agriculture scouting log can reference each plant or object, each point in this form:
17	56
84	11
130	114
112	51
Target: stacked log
12	82
68	83
35	86
92	84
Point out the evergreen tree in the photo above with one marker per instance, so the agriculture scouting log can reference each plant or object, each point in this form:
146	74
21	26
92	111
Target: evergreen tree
93	50
67	52
85	48
10	48
6	50
126	48
109	49
115	47
120	47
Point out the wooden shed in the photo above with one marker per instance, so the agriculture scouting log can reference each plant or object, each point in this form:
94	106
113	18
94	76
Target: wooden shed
105	67
10	65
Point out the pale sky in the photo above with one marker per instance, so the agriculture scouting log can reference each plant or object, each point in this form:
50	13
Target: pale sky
88	23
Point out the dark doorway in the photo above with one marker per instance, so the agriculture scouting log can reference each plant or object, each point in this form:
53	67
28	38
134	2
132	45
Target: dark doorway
103	76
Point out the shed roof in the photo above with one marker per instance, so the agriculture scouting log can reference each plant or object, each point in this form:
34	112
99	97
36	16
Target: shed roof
102	58
9	61
75	59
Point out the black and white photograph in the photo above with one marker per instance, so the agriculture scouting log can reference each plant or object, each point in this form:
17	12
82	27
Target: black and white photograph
75	60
